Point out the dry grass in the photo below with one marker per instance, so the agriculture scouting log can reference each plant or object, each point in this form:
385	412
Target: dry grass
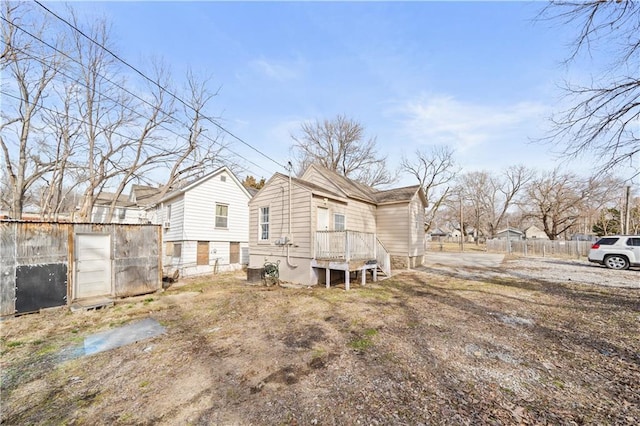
419	348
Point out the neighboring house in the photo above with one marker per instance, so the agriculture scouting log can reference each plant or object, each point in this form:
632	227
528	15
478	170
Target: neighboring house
132	209
535	233
124	211
205	225
510	233
323	221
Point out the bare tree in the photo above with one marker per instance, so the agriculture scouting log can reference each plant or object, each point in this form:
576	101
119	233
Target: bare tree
24	92
492	195
604	116
558	201
341	146
434	169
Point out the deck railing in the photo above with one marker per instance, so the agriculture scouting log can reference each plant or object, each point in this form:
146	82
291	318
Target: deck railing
345	245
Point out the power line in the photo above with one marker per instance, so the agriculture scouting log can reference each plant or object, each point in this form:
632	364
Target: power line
157	84
118	86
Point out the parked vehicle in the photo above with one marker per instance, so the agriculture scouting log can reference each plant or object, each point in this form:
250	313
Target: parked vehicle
616	251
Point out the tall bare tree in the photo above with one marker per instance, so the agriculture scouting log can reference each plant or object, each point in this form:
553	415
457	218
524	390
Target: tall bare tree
24	92
491	195
559	200
605	114
340	145
435	169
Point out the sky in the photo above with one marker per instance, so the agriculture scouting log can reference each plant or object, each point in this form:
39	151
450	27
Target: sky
480	77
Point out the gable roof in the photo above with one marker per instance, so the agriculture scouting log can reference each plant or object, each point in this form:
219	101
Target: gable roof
201	180
106	198
357	190
144	195
350	188
315	189
399	195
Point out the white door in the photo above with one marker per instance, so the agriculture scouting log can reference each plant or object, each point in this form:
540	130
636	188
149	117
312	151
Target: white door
92	265
323	219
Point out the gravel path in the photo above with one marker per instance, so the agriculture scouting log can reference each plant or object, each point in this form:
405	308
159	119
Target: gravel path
535	268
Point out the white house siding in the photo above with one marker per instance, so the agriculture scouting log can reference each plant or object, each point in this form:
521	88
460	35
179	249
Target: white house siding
175	231
131	215
194	215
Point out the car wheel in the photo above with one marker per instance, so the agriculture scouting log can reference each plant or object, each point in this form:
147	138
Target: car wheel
616	262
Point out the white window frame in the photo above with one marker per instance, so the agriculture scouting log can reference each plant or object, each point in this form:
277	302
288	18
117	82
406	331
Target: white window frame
226	218
262	236
335	222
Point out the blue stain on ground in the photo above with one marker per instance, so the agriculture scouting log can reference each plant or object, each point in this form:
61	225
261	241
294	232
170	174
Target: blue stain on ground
125	335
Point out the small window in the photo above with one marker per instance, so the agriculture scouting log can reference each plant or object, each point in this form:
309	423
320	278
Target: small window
338	222
222	215
223	178
264	224
122	212
168	215
177	249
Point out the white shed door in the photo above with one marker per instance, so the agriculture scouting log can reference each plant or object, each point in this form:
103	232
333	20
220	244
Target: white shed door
323	219
93	265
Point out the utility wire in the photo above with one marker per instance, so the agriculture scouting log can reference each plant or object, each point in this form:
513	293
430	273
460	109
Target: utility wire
157	84
129	108
120	87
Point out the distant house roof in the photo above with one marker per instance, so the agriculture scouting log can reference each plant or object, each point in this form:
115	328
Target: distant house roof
510	230
145	195
106	198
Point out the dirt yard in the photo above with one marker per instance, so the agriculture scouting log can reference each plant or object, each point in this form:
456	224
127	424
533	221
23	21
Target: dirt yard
526	342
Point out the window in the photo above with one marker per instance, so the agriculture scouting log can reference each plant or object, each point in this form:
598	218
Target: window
122	212
168	212
607	241
634	242
222	214
177	249
264	224
223	178
338	222
202	253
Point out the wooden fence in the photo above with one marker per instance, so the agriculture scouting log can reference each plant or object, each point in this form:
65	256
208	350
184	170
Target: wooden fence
541	248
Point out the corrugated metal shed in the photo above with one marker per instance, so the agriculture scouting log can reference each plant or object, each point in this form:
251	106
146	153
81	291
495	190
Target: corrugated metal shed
39	263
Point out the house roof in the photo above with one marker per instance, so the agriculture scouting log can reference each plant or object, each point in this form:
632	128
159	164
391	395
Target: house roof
315	189
512	230
189	185
397	195
145	195
106	198
366	193
351	188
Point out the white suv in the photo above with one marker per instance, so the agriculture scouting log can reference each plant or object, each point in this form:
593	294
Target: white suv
616	251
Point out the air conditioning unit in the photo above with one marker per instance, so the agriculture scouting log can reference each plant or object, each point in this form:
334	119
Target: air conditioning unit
166	224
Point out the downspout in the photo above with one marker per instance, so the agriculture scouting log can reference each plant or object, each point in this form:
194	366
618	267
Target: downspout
289	230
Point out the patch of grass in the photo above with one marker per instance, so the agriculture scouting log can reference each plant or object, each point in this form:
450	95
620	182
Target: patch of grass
361	344
15	343
144	384
148	300
46	350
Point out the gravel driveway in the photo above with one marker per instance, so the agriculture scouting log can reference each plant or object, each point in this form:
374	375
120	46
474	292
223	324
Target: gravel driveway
534	268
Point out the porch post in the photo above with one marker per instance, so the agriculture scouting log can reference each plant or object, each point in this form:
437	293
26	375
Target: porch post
346	279
364	275
327	274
